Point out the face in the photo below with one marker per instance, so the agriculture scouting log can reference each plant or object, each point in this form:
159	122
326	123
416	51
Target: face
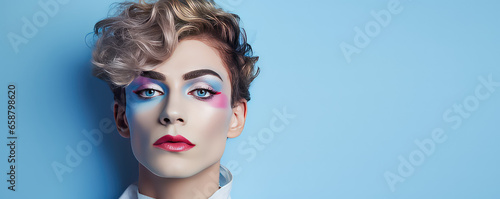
179	114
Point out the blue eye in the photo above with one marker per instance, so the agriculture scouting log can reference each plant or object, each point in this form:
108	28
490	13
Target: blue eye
203	93
148	93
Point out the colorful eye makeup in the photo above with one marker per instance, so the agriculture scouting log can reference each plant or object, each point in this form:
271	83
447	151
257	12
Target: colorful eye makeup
148	93
148	90
144	93
203	89
145	88
207	88
204	94
219	101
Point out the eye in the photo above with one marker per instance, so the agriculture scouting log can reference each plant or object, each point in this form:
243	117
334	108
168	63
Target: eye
148	93
203	93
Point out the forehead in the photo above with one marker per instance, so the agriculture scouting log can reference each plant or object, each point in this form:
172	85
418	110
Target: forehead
190	55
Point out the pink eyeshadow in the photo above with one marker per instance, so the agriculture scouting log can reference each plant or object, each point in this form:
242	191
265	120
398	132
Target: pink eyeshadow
219	101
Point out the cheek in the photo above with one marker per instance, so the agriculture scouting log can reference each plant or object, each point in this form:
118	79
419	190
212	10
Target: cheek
138	114
142	120
212	133
212	119
219	101
141	125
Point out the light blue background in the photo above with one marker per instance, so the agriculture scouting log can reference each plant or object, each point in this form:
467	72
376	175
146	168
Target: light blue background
352	120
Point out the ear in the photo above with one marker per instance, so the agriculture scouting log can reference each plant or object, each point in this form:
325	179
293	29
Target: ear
238	119
121	120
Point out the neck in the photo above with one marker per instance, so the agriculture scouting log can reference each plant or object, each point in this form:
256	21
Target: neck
201	185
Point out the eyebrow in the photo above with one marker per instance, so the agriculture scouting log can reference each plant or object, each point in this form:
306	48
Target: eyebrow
198	73
153	75
187	76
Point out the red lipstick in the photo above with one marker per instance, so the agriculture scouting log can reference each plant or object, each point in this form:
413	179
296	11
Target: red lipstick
176	143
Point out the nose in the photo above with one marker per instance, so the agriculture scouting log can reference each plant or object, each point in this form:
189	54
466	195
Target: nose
167	120
172	112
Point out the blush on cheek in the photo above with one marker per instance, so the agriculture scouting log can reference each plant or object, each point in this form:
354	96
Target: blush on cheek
219	101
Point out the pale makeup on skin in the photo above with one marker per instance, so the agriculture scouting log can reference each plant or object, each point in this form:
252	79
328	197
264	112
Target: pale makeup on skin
188	95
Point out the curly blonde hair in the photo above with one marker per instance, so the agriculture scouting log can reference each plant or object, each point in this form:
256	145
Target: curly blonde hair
142	35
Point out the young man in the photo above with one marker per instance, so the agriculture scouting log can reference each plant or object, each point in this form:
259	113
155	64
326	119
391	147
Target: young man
180	71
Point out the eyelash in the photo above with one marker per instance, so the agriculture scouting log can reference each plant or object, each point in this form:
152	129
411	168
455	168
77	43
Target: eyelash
139	93
209	90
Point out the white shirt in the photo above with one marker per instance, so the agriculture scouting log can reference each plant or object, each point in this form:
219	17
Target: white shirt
225	182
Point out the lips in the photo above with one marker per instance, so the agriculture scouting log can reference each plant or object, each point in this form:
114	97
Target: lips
176	143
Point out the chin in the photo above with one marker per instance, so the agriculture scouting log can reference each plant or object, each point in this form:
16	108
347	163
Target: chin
173	169
167	172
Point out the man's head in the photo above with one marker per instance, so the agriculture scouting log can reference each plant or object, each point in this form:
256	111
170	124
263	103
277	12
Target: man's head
176	68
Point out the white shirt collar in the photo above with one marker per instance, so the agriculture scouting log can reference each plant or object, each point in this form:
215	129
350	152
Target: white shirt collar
225	182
